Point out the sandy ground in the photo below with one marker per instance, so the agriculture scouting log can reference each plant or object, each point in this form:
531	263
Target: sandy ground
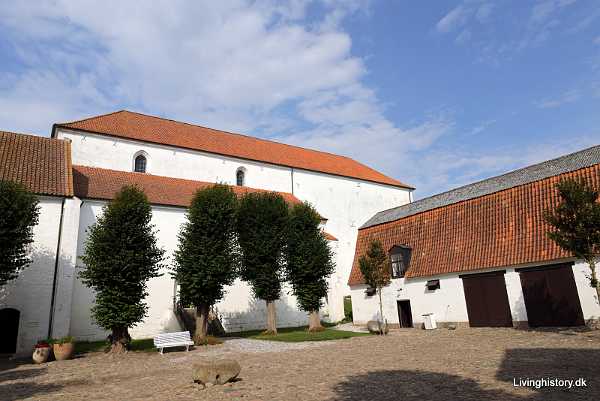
410	364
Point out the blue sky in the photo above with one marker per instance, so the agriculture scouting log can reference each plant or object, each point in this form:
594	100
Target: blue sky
436	94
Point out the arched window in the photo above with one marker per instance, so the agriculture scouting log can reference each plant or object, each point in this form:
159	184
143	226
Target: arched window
140	164
240	177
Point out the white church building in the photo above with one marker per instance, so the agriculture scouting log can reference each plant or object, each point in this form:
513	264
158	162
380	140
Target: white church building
84	163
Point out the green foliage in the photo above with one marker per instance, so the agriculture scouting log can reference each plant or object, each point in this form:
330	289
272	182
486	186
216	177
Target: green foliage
121	255
19	213
374	266
205	261
63	340
576	220
299	334
261	226
308	256
348	309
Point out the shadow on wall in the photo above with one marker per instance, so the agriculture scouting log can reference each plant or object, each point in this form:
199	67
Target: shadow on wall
561	363
254	316
31	293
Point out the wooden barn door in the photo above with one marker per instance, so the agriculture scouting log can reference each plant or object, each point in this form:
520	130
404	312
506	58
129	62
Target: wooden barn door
551	297
487	300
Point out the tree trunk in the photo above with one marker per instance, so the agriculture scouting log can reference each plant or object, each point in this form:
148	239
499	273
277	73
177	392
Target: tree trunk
592	264
382	323
314	322
201	324
119	340
271	319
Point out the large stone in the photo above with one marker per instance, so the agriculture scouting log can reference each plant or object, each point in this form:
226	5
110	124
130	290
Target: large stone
373	327
218	371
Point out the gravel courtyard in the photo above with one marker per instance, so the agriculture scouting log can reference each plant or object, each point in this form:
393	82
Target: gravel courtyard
471	364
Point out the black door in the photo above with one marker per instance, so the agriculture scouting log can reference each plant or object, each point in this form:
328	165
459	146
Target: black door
487	300
9	323
551	297
404	314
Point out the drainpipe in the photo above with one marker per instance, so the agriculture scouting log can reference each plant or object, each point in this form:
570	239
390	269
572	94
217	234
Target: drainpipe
54	279
292	181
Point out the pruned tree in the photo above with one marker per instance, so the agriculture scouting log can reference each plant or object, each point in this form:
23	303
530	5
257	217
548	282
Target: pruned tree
205	261
309	261
261	227
121	254
19	213
575	223
375	269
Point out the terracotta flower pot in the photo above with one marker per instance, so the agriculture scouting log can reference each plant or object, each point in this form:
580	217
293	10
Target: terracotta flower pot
41	354
63	351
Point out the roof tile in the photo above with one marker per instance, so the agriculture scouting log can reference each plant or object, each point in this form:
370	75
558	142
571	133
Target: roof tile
43	165
99	183
504	228
131	125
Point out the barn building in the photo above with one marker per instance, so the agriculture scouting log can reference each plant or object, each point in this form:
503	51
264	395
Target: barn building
479	256
83	164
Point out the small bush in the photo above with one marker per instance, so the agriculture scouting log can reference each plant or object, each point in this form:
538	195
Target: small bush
211	340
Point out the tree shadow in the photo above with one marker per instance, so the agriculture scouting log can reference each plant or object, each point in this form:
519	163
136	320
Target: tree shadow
407	385
557	363
17	384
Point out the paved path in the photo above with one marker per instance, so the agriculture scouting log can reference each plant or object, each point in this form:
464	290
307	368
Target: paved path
439	365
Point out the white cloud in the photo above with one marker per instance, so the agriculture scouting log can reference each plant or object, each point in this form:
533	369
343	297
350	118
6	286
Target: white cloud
255	67
543	10
457	17
569	96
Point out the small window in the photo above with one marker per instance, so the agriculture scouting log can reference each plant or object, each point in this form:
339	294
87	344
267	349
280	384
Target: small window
399	260
239	177
140	164
433	285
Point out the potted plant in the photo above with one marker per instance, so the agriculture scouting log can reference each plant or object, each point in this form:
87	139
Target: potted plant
41	351
63	348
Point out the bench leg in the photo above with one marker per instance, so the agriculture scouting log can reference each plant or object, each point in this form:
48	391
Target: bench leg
161	351
187	348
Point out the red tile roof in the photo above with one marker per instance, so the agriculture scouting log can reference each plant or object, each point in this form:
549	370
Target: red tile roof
329	237
131	125
99	183
43	165
505	228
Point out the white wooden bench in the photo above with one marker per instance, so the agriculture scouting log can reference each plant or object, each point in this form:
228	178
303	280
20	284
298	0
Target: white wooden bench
167	340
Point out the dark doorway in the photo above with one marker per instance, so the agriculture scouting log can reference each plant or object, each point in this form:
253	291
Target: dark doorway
551	297
487	300
9	321
404	314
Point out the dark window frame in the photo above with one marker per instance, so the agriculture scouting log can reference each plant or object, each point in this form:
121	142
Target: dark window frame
240	177
140	164
399	260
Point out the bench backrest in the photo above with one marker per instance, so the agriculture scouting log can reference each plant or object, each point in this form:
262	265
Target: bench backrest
170	338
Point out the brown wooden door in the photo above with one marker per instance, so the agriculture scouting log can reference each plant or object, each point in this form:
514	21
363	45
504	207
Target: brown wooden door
404	314
487	300
551	297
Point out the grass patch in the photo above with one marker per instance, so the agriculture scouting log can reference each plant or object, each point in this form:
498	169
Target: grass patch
83	347
298	334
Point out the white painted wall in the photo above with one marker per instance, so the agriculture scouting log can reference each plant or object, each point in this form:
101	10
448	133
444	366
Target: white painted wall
347	203
31	292
118	154
448	303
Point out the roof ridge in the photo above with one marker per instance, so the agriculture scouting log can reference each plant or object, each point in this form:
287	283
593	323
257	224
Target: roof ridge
475	183
93	117
230	133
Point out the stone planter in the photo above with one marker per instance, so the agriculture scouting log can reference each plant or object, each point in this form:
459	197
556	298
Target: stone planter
63	351
41	354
